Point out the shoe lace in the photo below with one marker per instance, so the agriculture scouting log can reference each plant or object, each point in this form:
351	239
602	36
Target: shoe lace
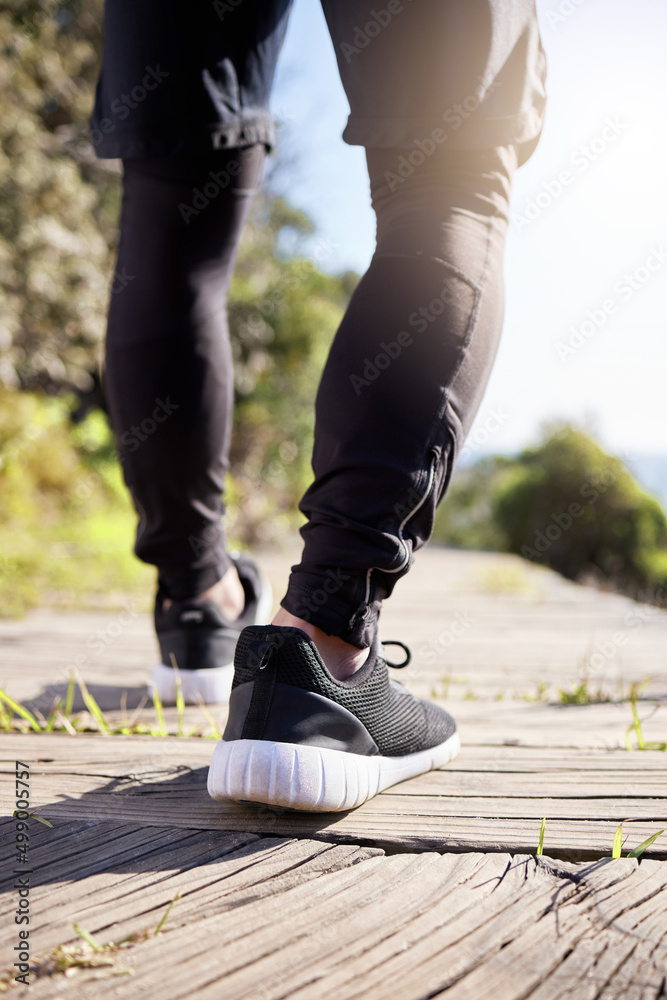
395	642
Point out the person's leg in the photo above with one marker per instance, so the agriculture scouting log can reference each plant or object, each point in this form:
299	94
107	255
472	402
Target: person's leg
310	726
168	361
169	384
315	721
183	100
403	381
445	98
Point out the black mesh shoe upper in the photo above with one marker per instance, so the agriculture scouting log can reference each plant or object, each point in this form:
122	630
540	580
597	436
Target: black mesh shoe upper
195	632
397	721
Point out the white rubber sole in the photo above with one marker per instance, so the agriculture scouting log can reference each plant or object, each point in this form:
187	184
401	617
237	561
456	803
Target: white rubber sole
315	779
211	686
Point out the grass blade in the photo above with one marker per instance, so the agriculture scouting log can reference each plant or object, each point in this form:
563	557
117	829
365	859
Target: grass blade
33	815
67	725
166	913
644	844
93	707
540	846
618	840
20	710
5	717
57	711
209	718
40	819
88	938
161	728
132	721
69	697
180	703
637	723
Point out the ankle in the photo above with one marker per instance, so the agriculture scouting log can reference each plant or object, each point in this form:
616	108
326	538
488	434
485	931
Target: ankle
341	658
228	594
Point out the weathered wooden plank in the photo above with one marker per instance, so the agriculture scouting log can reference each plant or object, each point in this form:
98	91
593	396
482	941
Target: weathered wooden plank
288	920
517	759
526	783
116	873
543	963
417	822
77	856
563	784
184	788
616	949
420	964
644	977
481	809
62	750
133	897
310	928
120	754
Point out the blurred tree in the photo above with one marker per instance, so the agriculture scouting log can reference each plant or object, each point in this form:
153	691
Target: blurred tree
58	231
283	313
465	518
58	205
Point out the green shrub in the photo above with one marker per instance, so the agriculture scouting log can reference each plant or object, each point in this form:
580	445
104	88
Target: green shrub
58	209
66	524
573	507
566	504
465	518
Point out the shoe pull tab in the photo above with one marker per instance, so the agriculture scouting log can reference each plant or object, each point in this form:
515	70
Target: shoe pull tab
259	654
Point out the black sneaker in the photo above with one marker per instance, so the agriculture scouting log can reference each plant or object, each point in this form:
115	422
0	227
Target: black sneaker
296	737
202	641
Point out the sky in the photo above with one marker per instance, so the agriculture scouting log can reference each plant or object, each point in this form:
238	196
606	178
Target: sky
586	262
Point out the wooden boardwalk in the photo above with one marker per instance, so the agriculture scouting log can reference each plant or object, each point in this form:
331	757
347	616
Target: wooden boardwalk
431	888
